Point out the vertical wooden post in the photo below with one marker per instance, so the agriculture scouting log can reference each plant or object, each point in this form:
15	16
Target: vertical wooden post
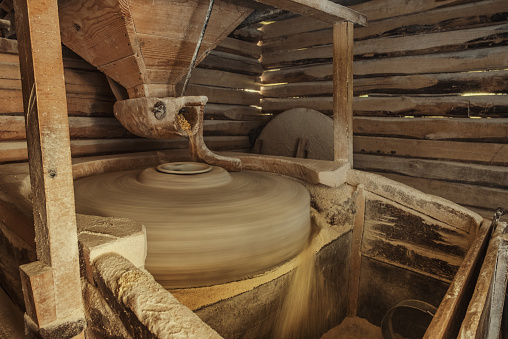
47	132
343	91
356	252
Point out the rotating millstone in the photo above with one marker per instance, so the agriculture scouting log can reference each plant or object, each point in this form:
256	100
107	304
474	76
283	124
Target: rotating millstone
204	226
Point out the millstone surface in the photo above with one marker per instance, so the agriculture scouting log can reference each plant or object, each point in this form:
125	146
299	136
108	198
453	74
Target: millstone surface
207	228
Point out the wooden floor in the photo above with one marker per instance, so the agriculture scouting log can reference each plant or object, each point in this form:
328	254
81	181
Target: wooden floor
11	318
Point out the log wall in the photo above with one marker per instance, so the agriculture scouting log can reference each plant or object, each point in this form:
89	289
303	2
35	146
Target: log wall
430	86
229	76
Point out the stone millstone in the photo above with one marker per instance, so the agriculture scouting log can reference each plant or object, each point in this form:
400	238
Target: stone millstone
205	229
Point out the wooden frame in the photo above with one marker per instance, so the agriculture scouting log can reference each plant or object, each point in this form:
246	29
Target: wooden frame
52	285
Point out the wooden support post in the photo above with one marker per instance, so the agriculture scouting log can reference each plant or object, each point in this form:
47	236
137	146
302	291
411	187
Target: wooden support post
343	91
356	252
47	132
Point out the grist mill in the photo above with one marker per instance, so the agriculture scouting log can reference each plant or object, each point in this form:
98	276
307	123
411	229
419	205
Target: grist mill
253	169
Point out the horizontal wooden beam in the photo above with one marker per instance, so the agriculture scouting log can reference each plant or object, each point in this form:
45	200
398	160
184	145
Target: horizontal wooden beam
489	130
327	11
16	150
463	194
480	153
453	106
474	174
480	59
443	83
317	45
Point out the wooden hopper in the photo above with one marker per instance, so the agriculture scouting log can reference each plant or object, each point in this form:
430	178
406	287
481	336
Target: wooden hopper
145	45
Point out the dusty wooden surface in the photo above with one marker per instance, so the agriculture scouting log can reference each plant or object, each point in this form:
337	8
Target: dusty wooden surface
44	99
435	207
321	10
356	252
451	311
405	238
343	92
146	52
485	311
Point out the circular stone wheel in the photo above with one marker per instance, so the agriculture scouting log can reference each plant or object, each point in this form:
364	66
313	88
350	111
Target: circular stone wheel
205	232
282	134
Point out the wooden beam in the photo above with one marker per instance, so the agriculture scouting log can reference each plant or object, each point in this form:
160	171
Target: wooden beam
356	252
491	130
482	153
45	106
343	91
463	194
327	11
465	173
451	311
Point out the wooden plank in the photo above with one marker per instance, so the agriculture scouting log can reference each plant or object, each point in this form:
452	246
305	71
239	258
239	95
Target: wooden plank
480	12
465	106
487	130
306	32
484	315
93	106
474	60
444	83
8	46
172	45
433	206
13	128
44	100
248	33
356	253
395	234
343	92
377	9
219	95
299	89
462	61
109	24
9	70
306	51
463	194
292	42
240	47
232	63
481	153
224	127
293	26
322	10
15	151
451	311
210	77
234	112
467	173
11	103
438	19
9	58
483	106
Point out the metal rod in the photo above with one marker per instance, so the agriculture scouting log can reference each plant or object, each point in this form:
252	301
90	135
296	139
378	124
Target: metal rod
497	215
200	40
